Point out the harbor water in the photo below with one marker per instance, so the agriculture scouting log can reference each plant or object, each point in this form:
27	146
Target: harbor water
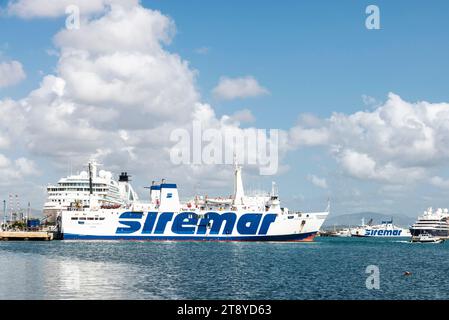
329	268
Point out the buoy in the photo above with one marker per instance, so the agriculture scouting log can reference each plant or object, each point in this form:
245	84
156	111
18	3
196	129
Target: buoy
407	273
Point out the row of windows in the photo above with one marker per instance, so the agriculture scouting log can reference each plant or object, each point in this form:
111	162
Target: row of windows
88	218
53	195
78	189
68	184
59	200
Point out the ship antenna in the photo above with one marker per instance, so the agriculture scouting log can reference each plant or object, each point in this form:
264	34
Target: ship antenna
239	192
11	205
4	213
18	210
28	213
90	179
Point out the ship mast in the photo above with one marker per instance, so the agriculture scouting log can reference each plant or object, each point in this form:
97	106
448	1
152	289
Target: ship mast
239	192
90	179
4	213
93	203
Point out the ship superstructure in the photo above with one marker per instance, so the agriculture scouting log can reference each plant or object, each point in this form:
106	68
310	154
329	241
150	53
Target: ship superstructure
76	190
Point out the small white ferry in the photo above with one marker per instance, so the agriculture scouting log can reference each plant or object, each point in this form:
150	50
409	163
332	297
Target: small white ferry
384	230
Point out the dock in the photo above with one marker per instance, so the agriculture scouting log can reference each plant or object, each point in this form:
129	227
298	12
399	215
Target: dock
26	235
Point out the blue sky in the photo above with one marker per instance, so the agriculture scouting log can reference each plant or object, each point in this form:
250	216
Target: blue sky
314	57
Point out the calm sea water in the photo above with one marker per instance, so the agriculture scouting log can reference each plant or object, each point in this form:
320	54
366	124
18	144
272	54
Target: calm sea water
330	268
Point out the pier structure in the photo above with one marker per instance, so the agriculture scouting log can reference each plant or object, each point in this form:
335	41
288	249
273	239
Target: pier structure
17	224
26	235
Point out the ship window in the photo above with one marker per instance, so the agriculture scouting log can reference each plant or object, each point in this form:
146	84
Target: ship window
90	218
82	218
74	218
102	218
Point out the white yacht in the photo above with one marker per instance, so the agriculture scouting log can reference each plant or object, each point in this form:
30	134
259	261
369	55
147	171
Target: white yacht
76	190
427	238
432	222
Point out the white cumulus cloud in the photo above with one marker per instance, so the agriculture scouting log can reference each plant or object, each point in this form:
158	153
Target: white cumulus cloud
398	142
11	73
234	88
13	171
55	8
440	182
244	115
116	95
317	181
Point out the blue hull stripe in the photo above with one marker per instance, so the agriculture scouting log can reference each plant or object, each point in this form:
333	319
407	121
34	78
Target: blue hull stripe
289	237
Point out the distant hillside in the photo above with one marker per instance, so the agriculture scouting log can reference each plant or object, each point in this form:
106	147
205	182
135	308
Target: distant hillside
355	219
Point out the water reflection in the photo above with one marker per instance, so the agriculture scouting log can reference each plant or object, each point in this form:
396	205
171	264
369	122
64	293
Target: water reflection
33	276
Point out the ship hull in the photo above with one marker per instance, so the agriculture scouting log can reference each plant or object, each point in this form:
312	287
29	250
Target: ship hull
190	226
433	232
304	237
382	232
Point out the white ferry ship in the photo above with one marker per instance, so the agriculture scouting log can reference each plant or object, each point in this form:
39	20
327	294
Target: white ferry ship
164	217
433	222
384	230
74	190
